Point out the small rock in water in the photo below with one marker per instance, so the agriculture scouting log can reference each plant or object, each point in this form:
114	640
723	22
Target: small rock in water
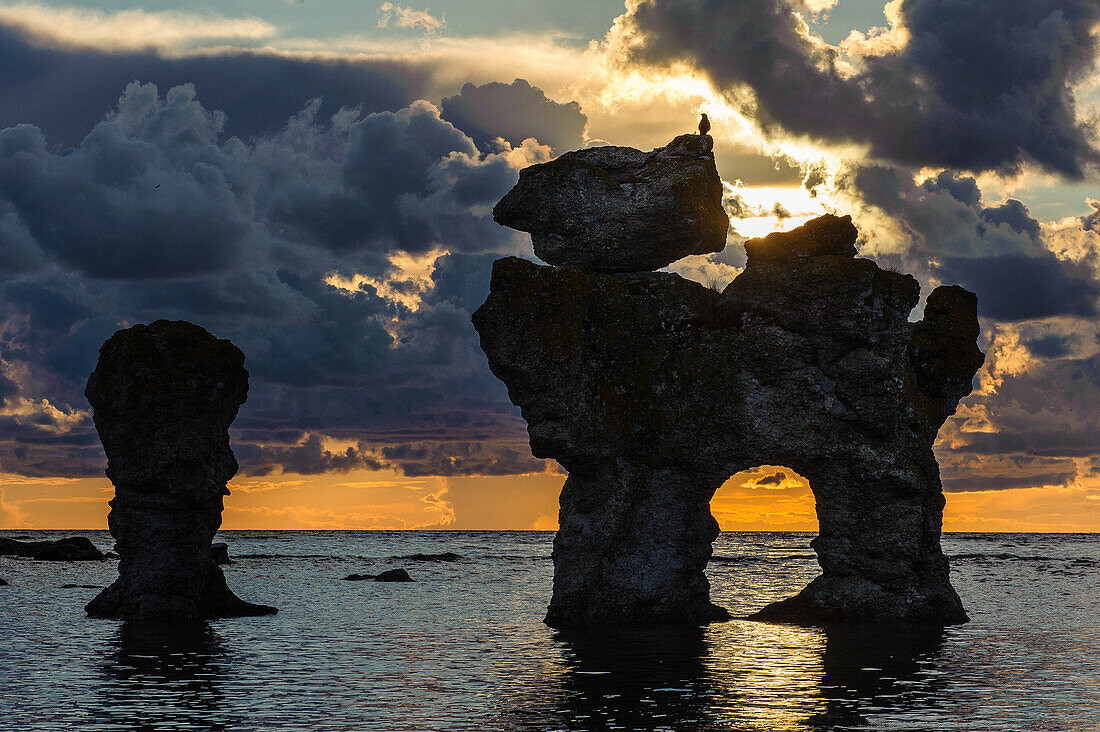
443	557
71	549
358	577
394	575
2	582
220	553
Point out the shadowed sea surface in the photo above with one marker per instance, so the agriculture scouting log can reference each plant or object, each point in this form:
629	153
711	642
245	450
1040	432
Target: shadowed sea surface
464	648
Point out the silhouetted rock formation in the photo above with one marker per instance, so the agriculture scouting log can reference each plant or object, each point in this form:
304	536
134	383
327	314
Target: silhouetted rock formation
651	390
163	397
443	557
390	575
394	575
70	549
617	209
2	582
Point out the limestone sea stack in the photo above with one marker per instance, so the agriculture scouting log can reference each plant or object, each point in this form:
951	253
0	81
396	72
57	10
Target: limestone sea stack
652	390
617	209
163	397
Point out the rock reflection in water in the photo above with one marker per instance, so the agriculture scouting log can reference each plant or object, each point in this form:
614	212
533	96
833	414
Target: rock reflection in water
745	676
643	678
872	671
165	675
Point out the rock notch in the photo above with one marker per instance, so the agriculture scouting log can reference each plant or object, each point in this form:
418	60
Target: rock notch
652	390
617	209
163	397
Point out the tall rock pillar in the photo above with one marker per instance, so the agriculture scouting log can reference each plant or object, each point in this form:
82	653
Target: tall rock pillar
163	397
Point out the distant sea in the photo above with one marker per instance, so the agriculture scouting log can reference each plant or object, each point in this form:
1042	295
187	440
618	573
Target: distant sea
464	647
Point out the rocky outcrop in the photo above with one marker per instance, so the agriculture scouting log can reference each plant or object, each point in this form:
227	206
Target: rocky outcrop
163	397
390	575
2	582
652	390
441	557
617	209
70	549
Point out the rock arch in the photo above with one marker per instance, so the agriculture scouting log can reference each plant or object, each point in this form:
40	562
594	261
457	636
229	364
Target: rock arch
651	390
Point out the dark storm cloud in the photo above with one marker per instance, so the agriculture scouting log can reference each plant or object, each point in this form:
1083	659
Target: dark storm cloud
998	252
1051	345
514	112
978	85
157	212
257	92
462	458
998	477
1037	425
775	478
307	458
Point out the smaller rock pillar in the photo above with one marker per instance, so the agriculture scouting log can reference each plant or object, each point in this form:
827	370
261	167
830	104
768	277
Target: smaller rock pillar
163	397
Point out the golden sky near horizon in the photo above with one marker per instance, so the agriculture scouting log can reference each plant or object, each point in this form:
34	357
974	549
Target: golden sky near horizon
749	501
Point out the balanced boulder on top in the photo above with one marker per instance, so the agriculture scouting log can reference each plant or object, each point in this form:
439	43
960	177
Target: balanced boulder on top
617	209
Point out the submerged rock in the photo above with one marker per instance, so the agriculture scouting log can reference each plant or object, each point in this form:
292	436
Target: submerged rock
390	575
2	582
441	557
220	552
163	397
652	390
70	549
617	209
394	575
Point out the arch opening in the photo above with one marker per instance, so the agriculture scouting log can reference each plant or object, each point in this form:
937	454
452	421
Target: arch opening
767	517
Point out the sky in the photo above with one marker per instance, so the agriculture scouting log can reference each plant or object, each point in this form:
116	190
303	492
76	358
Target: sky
314	181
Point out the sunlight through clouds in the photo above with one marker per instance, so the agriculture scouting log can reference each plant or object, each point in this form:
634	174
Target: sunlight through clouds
133	30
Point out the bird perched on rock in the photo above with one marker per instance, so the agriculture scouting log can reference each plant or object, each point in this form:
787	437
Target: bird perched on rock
704	125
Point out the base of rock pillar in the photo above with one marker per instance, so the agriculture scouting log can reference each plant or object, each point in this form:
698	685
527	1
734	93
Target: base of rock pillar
829	600
123	601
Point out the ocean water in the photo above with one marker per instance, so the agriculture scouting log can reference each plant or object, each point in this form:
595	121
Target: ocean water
464	647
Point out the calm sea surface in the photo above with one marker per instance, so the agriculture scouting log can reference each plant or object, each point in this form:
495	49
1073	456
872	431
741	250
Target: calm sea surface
464	647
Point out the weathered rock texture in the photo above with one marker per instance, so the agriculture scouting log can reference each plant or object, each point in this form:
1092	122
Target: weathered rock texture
617	209
70	549
163	397
651	390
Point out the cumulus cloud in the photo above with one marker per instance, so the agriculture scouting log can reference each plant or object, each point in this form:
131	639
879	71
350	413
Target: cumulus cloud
514	112
1000	252
1032	421
293	245
961	84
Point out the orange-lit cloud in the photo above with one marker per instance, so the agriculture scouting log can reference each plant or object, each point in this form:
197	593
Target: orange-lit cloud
402	16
